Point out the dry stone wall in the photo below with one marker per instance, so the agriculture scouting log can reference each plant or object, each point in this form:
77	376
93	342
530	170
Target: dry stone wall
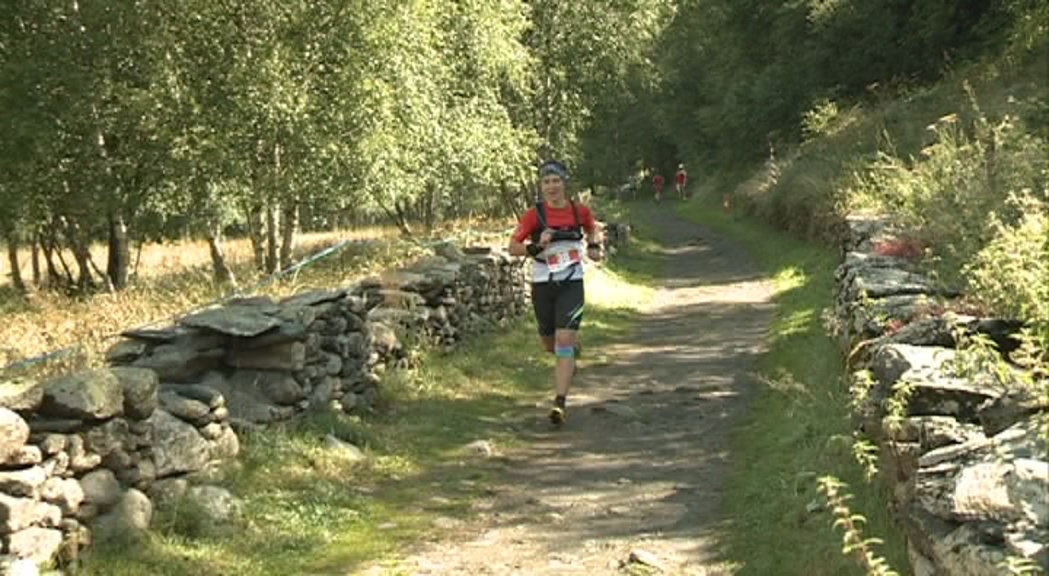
966	450
85	456
271	359
79	453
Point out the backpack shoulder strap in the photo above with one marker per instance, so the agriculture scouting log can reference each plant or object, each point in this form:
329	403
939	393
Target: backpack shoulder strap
540	216
540	213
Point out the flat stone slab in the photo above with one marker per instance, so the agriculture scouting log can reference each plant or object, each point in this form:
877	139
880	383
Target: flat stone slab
157	335
241	321
882	282
264	302
868	260
126	351
91	394
314	297
21	394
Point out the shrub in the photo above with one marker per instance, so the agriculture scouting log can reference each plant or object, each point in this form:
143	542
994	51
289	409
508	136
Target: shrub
1010	275
978	196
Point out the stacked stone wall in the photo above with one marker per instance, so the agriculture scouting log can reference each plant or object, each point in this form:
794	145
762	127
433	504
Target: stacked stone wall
964	449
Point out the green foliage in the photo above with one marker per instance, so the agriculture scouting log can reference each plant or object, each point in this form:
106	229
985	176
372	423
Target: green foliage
976	172
595	82
851	524
1010	273
1021	566
860	386
195	116
199	116
820	119
866	454
1026	368
991	175
1030	29
896	406
739	78
187	518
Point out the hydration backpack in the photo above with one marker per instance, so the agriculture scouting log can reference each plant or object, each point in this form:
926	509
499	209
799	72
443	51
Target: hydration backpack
561	233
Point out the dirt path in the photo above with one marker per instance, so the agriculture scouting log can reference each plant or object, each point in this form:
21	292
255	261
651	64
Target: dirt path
640	465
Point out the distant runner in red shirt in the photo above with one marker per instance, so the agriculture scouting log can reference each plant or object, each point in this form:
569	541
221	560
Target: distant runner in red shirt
657	184
680	179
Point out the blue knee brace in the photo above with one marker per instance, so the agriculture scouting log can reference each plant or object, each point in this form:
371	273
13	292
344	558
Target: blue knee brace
564	351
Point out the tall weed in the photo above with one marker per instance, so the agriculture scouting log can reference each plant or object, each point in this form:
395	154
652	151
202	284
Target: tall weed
1010	274
978	195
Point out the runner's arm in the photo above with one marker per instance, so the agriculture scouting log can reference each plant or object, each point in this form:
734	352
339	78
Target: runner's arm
518	248
590	226
524	229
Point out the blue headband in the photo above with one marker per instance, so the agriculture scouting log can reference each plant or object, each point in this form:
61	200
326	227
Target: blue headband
553	167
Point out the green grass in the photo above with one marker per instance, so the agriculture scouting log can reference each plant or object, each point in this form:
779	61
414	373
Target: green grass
793	427
306	510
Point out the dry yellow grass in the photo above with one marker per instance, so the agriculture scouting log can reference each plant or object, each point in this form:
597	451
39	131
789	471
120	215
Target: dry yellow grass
175	277
176	256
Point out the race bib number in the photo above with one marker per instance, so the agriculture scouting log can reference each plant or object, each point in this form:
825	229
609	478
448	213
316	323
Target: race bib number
561	257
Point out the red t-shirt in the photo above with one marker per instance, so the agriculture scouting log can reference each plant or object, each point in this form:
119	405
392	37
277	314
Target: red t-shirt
658	180
680	176
555	218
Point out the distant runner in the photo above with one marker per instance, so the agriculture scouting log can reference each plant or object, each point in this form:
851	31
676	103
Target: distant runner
680	179
657	184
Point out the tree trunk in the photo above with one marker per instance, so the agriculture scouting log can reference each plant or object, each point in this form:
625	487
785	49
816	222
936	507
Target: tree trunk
256	227
288	225
398	217
119	252
429	214
48	244
138	259
101	274
81	255
403	218
272	237
512	203
36	261
222	272
348	218
12	258
79	244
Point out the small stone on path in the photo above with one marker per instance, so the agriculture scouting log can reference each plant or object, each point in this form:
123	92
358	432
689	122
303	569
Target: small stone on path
617	409
481	447
646	558
344	448
445	523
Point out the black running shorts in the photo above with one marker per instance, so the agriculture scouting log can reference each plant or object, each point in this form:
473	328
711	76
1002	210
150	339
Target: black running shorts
558	305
